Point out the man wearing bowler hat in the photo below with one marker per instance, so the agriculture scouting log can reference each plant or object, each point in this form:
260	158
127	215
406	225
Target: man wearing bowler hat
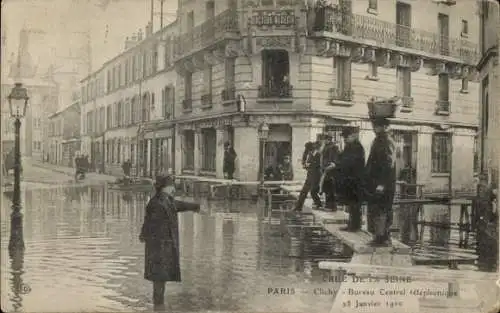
349	174
329	154
381	182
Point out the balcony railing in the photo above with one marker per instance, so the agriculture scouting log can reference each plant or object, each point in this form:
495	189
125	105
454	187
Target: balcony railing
207	33
443	107
206	100
341	94
386	33
187	105
283	90
228	94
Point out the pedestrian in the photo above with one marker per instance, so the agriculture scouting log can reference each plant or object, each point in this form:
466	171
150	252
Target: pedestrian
160	233
349	173
230	156
381	183
329	155
126	166
313	176
286	169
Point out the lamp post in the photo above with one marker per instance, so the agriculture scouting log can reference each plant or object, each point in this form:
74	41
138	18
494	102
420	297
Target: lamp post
18	101
263	135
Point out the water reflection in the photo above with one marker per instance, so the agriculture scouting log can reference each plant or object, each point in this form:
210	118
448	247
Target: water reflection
82	253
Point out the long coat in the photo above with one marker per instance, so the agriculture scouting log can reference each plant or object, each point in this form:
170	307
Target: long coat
228	165
160	231
349	172
381	170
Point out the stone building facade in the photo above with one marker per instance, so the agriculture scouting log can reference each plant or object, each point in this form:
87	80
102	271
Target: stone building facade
127	107
269	76
299	69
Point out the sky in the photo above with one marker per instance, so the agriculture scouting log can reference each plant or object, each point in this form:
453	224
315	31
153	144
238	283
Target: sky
59	27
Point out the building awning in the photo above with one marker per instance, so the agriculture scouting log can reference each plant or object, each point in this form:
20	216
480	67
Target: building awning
340	120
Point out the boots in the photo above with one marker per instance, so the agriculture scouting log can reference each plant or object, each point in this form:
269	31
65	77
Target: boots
159	294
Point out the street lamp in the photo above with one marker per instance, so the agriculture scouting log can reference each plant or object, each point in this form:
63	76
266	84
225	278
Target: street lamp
18	101
263	136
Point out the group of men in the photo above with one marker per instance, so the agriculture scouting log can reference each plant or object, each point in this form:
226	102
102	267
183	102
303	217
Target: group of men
344	178
82	165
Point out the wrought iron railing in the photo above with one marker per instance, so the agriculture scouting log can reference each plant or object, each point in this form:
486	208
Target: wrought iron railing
228	94
442	106
283	90
207	33
341	94
386	33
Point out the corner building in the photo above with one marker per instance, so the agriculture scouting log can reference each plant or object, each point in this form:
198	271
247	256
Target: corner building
302	69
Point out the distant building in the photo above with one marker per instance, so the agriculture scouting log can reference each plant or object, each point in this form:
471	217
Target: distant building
64	134
225	69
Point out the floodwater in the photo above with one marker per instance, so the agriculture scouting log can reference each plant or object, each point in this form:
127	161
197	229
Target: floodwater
82	254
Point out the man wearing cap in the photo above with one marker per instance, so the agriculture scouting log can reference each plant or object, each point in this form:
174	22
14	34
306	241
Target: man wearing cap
381	183
311	185
349	174
329	155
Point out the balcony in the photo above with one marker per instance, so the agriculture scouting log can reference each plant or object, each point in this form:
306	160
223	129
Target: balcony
228	95
206	101
385	33
206	34
283	90
443	107
187	105
341	96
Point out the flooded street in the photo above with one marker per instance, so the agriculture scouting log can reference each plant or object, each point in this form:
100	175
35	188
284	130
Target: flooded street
83	254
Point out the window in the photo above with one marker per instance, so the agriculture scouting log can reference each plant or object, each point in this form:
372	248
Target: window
372	5
188	150
109	117
168	98
207	96
343	86
209	10
230	71
465	28
476	154
443	102
145	107
208	148
190	21
441	153
444	33
188	91
403	24
465	85
275	74
484	126
404	84
154	61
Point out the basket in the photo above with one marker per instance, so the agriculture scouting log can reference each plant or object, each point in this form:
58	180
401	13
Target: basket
382	108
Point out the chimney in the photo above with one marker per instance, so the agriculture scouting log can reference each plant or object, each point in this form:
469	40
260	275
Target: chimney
139	35
130	42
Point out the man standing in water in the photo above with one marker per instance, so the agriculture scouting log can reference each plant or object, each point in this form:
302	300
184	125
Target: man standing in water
381	183
349	174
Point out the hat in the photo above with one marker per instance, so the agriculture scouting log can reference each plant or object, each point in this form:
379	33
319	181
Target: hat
347	131
164	181
227	144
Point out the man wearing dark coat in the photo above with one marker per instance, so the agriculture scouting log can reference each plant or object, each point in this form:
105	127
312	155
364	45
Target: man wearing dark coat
349	173
230	156
381	183
329	155
160	233
313	176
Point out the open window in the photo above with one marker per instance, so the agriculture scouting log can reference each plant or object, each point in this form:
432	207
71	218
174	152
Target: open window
275	75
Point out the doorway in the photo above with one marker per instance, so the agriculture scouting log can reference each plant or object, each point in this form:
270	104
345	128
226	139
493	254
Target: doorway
406	156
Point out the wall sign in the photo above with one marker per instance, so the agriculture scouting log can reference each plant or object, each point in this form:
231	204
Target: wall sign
273	18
